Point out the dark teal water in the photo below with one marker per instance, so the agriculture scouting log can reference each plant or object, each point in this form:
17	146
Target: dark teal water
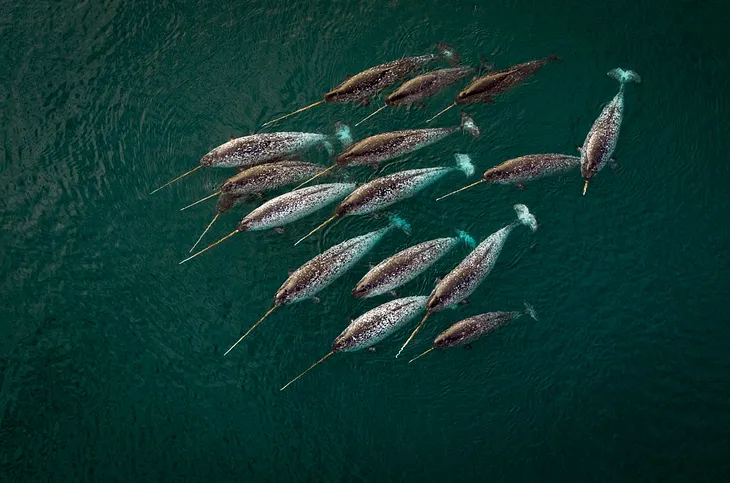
111	355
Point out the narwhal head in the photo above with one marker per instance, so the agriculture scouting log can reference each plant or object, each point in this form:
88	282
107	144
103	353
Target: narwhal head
244	225
344	342
286	294
226	202
361	290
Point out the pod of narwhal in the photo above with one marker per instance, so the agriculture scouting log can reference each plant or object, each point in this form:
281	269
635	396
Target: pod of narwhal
388	190
287	208
601	140
248	151
485	88
319	272
360	88
256	181
415	90
372	327
466	331
461	282
373	150
404	266
518	171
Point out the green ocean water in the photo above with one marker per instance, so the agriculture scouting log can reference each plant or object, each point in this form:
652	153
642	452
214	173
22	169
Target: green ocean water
111	354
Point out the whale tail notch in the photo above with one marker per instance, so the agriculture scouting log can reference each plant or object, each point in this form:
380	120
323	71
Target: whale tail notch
530	310
624	76
468	125
467	238
463	162
525	217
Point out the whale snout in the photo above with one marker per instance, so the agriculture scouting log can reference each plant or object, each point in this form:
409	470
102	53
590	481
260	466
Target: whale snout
360	291
208	159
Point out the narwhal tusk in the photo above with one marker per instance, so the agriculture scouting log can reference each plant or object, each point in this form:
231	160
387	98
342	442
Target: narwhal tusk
413	334
310	368
320	226
317	176
371	115
585	187
179	177
460	189
201	200
421	355
210	246
292	113
437	115
205	231
252	328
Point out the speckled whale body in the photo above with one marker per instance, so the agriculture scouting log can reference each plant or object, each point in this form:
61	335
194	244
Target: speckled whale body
531	167
294	205
262	148
426	85
269	176
406	265
377	324
326	267
373	150
471	329
603	136
467	275
485	88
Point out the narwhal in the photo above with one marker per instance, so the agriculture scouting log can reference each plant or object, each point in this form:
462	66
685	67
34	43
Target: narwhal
286	208
248	151
468	330
373	326
373	150
466	277
406	265
487	87
256	181
387	190
363	86
601	140
423	86
319	272
518	171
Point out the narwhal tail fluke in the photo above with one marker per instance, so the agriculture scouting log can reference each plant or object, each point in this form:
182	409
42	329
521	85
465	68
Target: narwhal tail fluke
210	246
447	52
252	328
463	162
324	171
398	222
437	115
372	114
205	231
201	200
468	125
460	189
176	179
294	112
624	76
467	238
525	217
413	334
530	310
585	188
421	354
309	369
316	229
343	133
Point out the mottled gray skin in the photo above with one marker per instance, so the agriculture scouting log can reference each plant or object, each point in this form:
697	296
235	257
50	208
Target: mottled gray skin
361	87
466	277
375	149
261	148
602	138
269	176
426	85
326	267
530	167
228	201
377	324
485	88
471	329
387	190
293	206
403	267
